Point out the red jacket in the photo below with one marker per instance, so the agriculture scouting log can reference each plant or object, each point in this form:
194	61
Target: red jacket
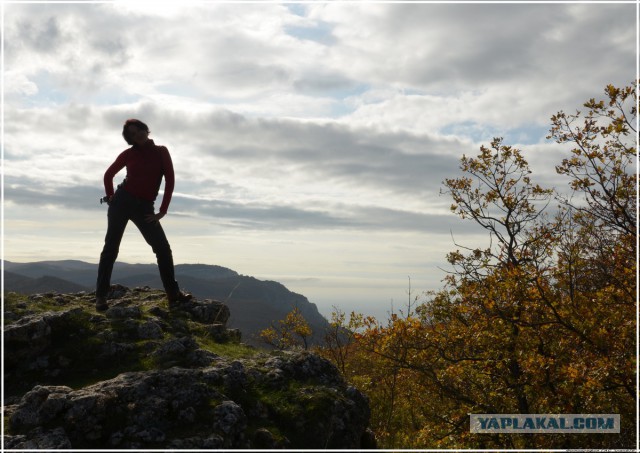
146	165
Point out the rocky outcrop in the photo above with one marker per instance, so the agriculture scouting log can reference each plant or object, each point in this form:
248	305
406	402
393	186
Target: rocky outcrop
142	376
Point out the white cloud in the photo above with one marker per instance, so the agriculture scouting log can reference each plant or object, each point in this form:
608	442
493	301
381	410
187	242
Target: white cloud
505	65
18	85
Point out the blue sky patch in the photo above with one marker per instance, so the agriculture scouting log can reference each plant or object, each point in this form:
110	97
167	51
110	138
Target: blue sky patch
297	8
321	33
524	135
48	92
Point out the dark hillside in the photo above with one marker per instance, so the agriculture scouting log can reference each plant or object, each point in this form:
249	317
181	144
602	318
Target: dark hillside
21	284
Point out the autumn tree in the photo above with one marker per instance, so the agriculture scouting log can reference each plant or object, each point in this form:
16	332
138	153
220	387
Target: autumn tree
340	338
291	332
497	193
602	162
597	268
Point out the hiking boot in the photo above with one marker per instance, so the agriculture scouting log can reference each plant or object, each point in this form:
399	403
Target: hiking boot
178	298
101	303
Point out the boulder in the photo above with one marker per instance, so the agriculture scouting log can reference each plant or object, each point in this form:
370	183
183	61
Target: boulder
229	405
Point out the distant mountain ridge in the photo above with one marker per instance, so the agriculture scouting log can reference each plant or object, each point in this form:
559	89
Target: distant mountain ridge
84	274
27	285
254	303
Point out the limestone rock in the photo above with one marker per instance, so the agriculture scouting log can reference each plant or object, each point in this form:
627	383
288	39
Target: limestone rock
193	407
146	376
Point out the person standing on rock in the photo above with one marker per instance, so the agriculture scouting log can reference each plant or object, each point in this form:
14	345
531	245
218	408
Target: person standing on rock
146	165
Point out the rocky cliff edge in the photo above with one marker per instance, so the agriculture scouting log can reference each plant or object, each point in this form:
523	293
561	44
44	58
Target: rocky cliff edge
143	376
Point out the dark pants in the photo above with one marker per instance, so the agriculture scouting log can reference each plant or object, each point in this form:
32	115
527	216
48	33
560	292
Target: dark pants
125	207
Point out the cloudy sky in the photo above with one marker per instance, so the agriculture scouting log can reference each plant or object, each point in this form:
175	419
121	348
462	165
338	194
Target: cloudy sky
310	141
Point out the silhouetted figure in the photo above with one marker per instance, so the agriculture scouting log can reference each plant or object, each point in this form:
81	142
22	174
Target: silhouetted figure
146	164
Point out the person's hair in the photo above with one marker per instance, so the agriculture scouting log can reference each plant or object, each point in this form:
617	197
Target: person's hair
132	122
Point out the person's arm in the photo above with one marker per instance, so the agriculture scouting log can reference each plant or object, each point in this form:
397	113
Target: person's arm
169	180
113	169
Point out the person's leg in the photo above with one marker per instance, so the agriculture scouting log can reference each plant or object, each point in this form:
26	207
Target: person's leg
117	222
156	238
